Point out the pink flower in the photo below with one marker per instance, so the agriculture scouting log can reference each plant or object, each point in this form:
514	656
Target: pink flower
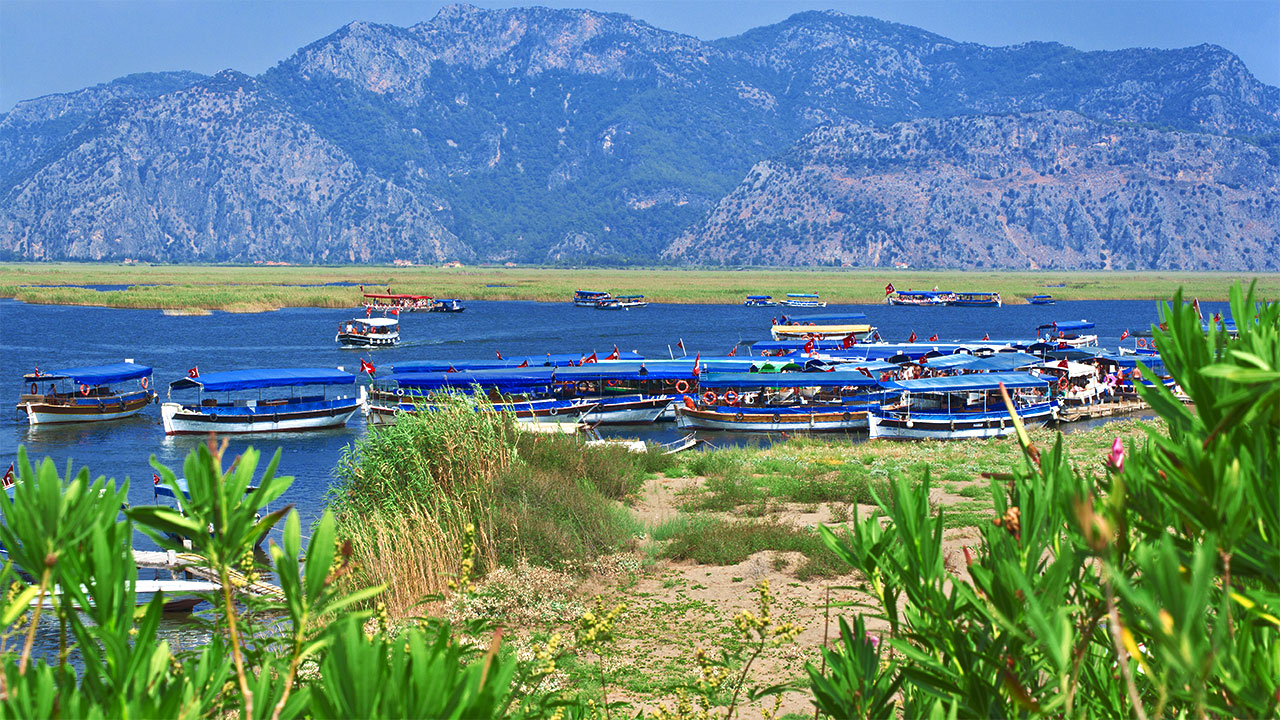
1116	458
873	639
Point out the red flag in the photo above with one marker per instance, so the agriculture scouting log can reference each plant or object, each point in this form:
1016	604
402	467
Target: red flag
680	344
866	372
1196	304
368	310
451	369
395	311
775	319
588	359
848	341
734	351
933	337
697	364
913	337
365	367
155	478
1062	363
613	355
988	337
1124	334
193	372
810	345
878	338
498	353
8	477
888	289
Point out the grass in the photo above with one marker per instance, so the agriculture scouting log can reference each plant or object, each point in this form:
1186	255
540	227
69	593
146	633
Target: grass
258	288
715	541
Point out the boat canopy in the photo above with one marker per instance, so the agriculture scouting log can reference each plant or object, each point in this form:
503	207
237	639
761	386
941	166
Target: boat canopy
534	361
384	296
969	383
835	318
95	374
1131	361
1074	369
921	293
785	380
1067	325
628	297
759	297
1074	354
976	294
503	381
803	295
1001	362
376	322
868	365
254	379
590	292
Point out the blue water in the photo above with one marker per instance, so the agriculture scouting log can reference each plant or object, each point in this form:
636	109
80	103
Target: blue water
50	337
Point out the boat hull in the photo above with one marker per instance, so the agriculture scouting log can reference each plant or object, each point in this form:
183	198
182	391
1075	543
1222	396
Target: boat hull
625	411
382	411
734	419
182	420
358	340
42	412
944	426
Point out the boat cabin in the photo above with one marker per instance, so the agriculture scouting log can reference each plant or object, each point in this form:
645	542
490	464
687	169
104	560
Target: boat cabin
86	394
369	332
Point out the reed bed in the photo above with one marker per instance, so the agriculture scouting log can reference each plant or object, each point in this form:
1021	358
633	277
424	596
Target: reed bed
256	288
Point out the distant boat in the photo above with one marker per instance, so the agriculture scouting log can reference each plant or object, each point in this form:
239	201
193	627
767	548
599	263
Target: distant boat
924	298
589	298
84	394
760	301
1040	300
975	299
368	332
399	303
446	305
1068	332
254	415
622	302
860	331
803	300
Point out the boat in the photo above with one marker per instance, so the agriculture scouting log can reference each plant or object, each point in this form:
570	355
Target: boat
975	299
1040	300
922	298
255	415
822	332
1067	333
589	298
821	319
387	302
621	302
368	332
963	406
84	394
803	300
446	305
781	402
760	301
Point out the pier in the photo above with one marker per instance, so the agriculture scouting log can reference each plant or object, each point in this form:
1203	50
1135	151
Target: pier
191	564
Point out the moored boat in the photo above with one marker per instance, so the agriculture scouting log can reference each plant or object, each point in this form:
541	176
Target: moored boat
963	406
1040	300
400	303
255	415
823	332
803	300
975	299
781	402
368	332
84	394
922	298
446	305
589	298
760	301
1068	333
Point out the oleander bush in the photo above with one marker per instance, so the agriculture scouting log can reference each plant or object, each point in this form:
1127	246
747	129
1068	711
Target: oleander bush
1145	584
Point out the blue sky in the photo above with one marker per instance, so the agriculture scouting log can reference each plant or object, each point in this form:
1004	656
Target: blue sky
49	46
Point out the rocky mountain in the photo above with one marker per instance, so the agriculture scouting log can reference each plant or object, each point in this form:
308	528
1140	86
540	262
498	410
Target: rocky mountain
539	135
1048	190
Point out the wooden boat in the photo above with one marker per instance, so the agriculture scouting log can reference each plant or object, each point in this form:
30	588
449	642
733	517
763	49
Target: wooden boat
803	300
821	319
256	415
1068	333
822	332
383	411
963	406
621	302
589	298
781	402
369	332
760	301
446	305
975	299
400	303
920	298
1040	300
84	394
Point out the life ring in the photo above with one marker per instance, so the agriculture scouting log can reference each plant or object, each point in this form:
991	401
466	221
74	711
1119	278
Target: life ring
670	382
846	417
583	386
612	383
554	411
84	389
810	323
709	397
777	418
35	389
1062	384
738	416
731	398
682	386
1142	342
143	383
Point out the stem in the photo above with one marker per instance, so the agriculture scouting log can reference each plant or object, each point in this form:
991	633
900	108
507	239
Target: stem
604	688
742	679
1114	628
826	625
35	620
1076	665
229	609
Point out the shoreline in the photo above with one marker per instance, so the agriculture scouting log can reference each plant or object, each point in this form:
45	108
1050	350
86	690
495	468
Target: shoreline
251	289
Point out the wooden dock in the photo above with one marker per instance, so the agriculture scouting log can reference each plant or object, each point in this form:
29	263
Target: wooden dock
191	564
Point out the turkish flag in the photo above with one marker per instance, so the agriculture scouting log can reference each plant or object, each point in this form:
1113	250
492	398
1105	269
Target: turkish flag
1124	334
588	359
365	367
809	346
680	344
697	364
734	351
888	289
933	337
8	477
524	364
614	355
193	372
848	341
986	337
913	337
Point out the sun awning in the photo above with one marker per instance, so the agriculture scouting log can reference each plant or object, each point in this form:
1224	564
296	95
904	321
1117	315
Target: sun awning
95	374
785	380
968	383
254	379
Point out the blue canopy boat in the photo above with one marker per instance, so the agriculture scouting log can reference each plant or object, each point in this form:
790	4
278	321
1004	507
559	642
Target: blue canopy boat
963	406
821	319
781	402
589	298
925	298
760	301
975	299
446	305
253	415
1068	332
84	394
803	300
1040	300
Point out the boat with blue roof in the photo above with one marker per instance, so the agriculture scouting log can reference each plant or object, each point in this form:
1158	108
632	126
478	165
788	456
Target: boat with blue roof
963	406
919	298
760	301
86	394
589	298
368	332
1068	333
255	401
803	300
975	299
446	305
622	302
1040	300
788	401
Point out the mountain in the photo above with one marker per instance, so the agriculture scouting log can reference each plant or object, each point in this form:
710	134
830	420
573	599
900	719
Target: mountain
1048	190
559	136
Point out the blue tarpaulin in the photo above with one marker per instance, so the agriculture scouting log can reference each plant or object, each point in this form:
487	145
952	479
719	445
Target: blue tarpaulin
967	383
821	319
785	380
1067	325
97	374
254	379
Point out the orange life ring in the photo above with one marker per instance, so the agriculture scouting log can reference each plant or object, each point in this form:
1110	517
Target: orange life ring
612	383
1061	334
84	389
731	398
1062	384
709	397
1142	342
810	323
682	386
143	383
35	389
